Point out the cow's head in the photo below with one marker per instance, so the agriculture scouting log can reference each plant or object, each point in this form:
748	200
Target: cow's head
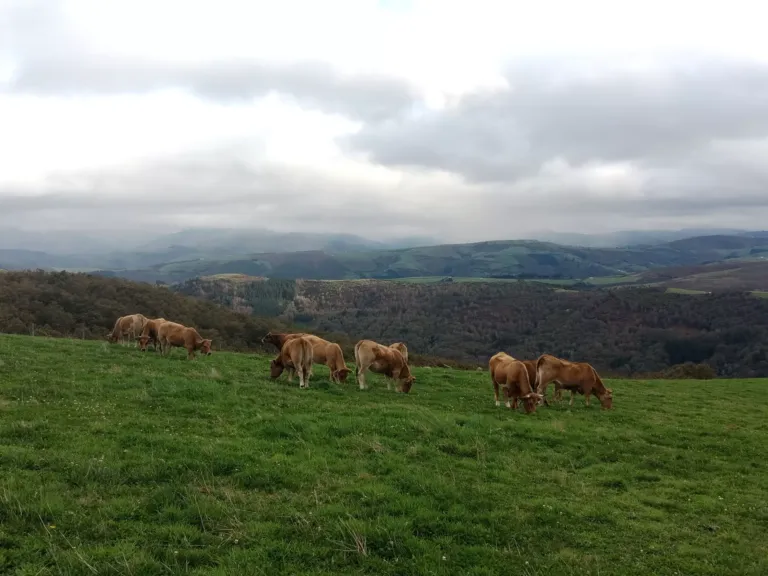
531	400
606	399
406	383
111	337
205	347
143	341
275	368
341	374
271	339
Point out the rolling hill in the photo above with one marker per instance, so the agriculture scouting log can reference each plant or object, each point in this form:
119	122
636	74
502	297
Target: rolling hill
500	259
629	331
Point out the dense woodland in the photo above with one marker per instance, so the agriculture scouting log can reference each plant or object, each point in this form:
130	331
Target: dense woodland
628	331
83	306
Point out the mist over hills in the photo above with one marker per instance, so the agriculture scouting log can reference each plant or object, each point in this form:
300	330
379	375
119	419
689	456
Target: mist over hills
178	256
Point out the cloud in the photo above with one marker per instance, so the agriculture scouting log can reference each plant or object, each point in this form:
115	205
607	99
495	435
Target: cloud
313	85
463	121
550	111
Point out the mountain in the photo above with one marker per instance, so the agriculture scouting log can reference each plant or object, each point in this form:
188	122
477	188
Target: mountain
634	237
500	259
20	250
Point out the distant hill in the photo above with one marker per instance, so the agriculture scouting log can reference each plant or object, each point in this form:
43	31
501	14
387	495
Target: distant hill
627	331
500	259
47	250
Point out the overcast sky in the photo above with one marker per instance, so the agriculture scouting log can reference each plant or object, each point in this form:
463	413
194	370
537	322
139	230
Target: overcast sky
461	120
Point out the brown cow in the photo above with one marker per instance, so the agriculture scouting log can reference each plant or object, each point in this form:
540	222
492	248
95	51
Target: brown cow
370	355
278	340
573	376
402	348
323	352
131	325
295	356
149	334
513	377
174	334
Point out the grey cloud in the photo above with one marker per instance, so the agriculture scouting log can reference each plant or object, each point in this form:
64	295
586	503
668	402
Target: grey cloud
50	58
208	190
505	135
312	84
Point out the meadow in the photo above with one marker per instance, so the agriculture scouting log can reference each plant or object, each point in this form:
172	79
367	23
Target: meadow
118	462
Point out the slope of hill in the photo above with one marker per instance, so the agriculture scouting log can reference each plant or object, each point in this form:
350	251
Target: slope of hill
114	462
508	258
627	331
83	306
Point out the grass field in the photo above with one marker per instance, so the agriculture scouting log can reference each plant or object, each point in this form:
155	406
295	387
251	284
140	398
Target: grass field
114	462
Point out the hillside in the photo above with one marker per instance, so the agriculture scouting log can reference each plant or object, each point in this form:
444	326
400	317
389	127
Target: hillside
628	331
116	462
507	258
83	306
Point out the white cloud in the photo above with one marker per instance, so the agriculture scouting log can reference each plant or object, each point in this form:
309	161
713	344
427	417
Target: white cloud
403	108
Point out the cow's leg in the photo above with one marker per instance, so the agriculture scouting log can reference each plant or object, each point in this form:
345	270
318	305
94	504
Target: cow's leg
508	393
514	403
587	396
496	392
190	353
542	389
290	372
573	395
361	376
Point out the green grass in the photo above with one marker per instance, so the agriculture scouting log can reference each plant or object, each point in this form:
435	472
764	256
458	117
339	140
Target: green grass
114	462
760	293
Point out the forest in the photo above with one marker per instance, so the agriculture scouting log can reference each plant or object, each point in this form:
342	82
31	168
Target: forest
627	331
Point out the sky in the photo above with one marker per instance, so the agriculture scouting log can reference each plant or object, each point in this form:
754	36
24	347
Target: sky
457	120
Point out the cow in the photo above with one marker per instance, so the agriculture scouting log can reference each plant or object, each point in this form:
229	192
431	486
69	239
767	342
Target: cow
131	326
174	334
149	334
323	352
370	355
573	376
513	377
294	356
402	348
278	340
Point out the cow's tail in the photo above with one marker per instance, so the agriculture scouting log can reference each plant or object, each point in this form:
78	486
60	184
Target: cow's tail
539	368
116	330
357	359
526	380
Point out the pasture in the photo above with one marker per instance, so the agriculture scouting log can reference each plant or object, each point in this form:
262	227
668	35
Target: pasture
117	462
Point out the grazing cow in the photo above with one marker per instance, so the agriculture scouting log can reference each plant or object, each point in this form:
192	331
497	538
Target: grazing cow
278	340
323	352
402	348
131	326
174	334
370	355
513	377
149	334
294	356
573	376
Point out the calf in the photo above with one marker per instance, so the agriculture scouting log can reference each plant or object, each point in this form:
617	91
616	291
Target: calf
174	334
513	377
402	348
131	326
294	356
149	334
370	355
573	376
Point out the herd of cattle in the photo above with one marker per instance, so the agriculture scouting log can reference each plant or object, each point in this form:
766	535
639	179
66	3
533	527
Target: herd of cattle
521	380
